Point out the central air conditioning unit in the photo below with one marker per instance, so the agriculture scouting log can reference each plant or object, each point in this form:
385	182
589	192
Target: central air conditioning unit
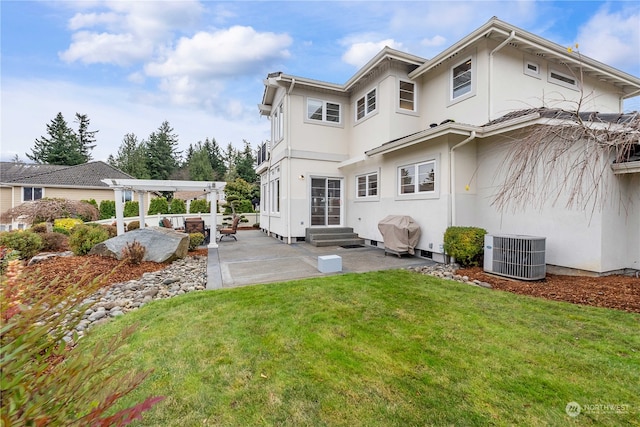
518	257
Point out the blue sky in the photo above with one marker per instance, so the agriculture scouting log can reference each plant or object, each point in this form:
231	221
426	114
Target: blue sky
130	65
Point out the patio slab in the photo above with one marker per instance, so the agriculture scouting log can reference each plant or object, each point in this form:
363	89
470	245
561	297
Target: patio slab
257	258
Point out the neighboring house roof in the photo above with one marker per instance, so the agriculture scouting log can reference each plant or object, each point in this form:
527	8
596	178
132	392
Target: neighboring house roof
83	175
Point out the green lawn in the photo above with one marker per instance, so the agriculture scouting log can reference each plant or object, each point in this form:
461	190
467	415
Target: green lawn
387	348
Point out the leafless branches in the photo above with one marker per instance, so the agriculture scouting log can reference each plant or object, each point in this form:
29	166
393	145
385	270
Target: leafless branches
566	157
51	209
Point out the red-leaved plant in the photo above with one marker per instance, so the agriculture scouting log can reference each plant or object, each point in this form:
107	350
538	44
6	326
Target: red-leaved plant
46	380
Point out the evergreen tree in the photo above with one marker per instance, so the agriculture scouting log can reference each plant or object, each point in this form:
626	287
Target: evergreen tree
86	138
61	147
162	155
216	159
131	157
199	166
230	156
245	164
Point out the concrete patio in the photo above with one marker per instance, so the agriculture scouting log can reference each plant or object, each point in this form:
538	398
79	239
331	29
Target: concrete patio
257	258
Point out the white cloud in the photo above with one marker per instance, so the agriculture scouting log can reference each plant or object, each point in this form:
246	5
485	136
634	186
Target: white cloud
238	50
433	41
114	114
105	48
613	38
360	53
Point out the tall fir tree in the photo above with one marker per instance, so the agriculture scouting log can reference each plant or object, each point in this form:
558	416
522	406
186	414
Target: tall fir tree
86	137
199	166
245	163
60	147
215	158
162	154
131	157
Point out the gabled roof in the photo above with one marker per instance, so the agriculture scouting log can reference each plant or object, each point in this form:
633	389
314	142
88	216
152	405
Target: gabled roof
525	41
279	79
83	175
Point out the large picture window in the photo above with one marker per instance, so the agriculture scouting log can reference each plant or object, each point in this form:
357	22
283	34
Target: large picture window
367	185
417	178
30	194
461	79
366	105
323	111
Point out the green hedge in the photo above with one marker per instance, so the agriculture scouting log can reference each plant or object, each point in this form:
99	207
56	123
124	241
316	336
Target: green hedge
465	244
26	243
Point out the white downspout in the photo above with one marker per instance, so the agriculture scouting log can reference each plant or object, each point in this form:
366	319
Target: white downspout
290	175
452	178
493	52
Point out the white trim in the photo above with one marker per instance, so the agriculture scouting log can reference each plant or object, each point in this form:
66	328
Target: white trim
323	120
367	196
365	98
433	194
558	79
400	109
528	68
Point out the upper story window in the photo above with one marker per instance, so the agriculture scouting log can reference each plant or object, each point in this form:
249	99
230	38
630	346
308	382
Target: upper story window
278	124
323	111
30	194
367	185
532	69
366	105
407	96
461	79
562	79
417	178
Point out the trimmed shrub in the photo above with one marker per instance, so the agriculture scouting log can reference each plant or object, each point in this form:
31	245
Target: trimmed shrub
199	206
131	208
26	243
66	223
54	242
133	225
61	231
465	244
178	206
158	205
85	237
195	240
133	252
41	227
107	209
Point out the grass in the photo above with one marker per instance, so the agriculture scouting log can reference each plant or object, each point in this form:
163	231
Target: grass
387	348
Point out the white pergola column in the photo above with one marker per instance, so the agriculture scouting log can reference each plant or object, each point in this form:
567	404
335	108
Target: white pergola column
119	210
141	208
213	219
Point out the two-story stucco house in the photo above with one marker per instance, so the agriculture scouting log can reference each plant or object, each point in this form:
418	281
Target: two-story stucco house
426	138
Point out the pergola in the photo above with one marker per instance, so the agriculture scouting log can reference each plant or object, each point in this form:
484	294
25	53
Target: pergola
142	186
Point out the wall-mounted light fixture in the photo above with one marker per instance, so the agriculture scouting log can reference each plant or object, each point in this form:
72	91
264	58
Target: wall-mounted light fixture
301	177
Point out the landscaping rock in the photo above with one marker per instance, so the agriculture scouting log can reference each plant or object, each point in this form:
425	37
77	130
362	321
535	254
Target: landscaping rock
448	272
161	244
48	255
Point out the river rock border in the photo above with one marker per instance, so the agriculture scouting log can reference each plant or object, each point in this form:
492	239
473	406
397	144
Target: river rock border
185	275
448	272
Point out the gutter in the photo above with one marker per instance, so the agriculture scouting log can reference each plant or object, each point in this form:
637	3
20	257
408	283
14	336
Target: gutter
293	83
490	74
452	178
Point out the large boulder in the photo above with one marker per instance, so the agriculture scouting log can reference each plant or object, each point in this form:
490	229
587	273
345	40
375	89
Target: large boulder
161	244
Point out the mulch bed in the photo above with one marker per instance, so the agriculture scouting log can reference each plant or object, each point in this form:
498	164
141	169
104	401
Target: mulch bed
618	292
615	291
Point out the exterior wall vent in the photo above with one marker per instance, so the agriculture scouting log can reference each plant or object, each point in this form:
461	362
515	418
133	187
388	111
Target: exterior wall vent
518	257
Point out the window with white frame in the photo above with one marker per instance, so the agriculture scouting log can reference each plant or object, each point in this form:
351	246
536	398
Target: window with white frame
366	105
323	111
562	79
407	96
275	195
532	69
278	123
461	79
263	198
367	185
29	194
417	178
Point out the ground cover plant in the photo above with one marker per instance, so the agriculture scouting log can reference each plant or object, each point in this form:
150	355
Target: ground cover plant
390	348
